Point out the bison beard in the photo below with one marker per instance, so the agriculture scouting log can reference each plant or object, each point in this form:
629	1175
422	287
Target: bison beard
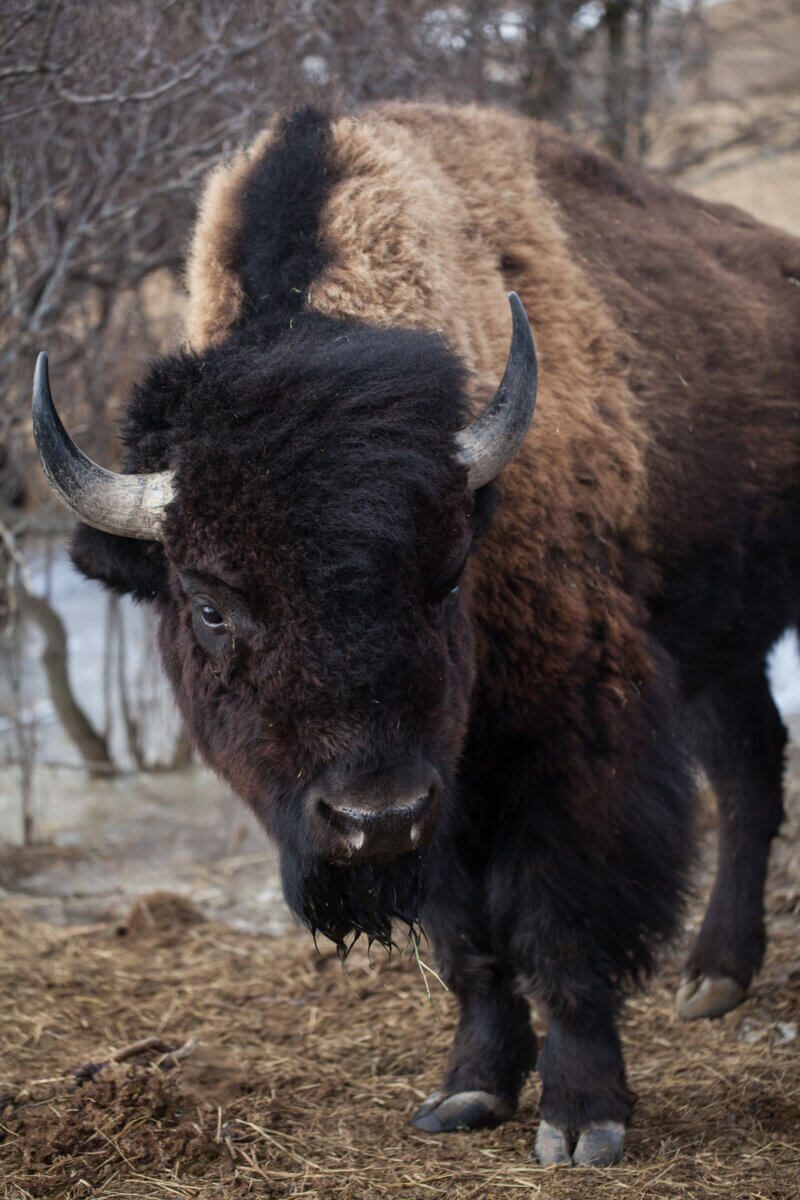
342	902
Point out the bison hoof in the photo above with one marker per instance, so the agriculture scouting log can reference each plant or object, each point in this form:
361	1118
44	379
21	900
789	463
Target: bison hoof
598	1145
707	996
552	1145
445	1112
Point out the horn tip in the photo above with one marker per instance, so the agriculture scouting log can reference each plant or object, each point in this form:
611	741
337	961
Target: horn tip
40	374
517	307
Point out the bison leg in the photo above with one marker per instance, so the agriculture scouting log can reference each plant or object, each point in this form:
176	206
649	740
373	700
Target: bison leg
741	744
585	1099
493	1050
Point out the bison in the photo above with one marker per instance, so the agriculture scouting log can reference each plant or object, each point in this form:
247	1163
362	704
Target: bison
460	671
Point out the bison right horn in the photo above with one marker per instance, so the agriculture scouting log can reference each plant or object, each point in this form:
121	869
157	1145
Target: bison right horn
490	441
129	505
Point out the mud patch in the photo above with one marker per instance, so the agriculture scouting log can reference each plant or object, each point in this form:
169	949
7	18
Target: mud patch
142	1121
159	912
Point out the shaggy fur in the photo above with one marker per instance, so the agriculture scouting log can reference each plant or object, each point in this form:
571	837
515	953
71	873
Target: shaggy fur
347	286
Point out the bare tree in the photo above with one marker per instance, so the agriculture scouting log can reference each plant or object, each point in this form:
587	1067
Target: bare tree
107	124
556	40
616	20
91	744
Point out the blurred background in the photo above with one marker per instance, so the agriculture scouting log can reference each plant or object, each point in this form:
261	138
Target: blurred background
111	114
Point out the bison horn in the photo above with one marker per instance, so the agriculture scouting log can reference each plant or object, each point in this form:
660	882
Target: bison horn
490	442
129	505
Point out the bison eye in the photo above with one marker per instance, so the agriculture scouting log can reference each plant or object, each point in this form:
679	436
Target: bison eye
211	618
448	585
435	601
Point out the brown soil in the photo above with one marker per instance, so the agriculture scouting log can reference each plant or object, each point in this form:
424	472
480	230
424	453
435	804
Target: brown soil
304	1074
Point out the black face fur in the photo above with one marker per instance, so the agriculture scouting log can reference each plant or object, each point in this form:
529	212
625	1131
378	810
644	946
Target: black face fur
312	584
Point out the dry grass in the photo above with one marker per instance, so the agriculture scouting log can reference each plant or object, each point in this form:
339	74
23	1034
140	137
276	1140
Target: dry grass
305	1076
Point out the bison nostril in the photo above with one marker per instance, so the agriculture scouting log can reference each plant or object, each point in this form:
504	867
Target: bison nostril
375	816
339	818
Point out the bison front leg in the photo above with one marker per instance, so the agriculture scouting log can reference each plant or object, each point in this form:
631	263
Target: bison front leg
585	1102
591	906
494	1048
586	889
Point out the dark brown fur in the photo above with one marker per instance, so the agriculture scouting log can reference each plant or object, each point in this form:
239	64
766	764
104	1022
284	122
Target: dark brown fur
642	553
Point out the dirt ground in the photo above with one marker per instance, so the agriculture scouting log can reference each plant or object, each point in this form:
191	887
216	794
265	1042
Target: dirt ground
294	1077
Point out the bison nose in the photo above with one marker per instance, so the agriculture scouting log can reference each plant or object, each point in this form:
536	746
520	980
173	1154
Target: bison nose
359	821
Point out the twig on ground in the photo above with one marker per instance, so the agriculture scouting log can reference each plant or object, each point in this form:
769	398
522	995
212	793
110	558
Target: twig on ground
169	1056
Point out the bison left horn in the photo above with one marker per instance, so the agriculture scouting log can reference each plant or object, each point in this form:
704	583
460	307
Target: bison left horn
129	505
490	442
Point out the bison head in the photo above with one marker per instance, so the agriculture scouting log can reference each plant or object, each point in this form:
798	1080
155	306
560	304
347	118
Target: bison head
301	505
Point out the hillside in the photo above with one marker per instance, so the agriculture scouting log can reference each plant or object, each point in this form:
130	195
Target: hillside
731	132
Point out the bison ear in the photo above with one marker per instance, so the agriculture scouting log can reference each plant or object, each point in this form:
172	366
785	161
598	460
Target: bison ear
124	565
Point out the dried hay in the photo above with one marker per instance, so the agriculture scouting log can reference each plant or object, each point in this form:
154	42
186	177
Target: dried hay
303	1074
